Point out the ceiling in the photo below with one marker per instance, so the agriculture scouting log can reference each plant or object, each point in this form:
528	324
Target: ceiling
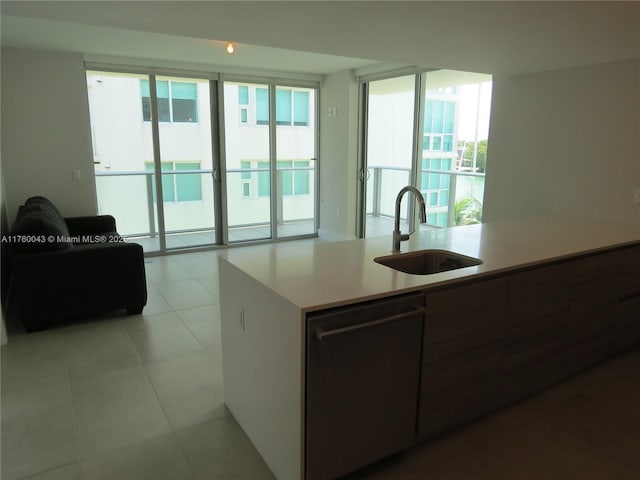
317	37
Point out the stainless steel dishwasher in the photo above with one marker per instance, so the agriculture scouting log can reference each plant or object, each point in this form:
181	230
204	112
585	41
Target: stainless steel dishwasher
362	381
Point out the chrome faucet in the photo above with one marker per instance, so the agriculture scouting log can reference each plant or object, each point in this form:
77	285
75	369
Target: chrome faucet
397	235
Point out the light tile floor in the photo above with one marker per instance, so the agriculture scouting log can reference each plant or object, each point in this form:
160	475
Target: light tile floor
141	397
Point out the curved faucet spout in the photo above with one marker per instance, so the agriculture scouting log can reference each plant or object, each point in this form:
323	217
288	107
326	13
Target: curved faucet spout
397	235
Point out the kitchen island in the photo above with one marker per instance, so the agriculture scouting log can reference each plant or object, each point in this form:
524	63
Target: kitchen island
549	292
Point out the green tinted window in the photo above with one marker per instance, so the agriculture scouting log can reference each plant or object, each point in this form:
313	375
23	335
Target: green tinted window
447	143
301	178
301	108
438	117
188	185
286	176
168	192
262	106
184	101
246	175
243	95
449	116
428	116
444	198
283	107
434	181
264	180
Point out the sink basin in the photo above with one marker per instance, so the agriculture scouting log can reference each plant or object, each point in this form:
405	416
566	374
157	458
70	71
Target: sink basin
425	262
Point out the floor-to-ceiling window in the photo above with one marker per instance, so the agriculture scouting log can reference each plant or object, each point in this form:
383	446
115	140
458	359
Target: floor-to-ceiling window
270	138
389	152
441	149
453	158
246	109
295	160
185	161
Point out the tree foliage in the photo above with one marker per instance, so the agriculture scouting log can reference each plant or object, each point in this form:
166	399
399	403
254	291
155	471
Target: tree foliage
481	160
468	211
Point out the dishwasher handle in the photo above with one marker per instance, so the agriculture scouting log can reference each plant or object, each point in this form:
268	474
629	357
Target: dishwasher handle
321	333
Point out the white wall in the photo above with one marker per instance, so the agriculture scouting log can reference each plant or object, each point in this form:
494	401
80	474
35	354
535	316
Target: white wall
45	130
565	142
338	156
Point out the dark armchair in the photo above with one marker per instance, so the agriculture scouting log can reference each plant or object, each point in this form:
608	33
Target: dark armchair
65	268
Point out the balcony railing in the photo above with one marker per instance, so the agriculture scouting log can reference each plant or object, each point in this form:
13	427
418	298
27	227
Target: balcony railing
384	183
130	196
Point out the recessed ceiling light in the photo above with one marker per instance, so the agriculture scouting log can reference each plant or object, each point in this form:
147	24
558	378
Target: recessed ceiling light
231	48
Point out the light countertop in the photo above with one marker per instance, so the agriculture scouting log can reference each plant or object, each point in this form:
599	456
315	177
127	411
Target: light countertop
321	275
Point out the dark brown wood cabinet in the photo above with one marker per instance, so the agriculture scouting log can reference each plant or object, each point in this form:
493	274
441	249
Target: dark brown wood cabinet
493	342
462	354
605	310
627	322
535	334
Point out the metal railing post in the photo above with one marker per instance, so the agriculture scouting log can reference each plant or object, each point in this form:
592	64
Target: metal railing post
377	189
150	209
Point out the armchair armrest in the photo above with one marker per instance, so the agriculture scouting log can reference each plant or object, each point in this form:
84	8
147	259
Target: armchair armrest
88	225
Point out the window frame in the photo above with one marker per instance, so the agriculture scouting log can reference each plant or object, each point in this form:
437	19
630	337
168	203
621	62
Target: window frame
170	103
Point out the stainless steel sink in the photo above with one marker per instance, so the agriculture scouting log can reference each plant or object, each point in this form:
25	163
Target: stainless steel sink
425	262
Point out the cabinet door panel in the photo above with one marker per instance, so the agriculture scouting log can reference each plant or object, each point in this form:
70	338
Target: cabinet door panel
539	296
462	354
463	344
536	329
474	370
597	320
628	327
439	414
628	324
462	310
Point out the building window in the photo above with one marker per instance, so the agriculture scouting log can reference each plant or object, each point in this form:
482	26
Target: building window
283	107
178	187
300	108
262	106
294	174
245	178
292	106
177	101
439	124
243	101
439	116
435	186
294	182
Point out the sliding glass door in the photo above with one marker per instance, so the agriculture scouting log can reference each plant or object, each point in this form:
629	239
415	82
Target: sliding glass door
247	152
390	117
270	145
122	148
184	161
142	126
296	163
429	130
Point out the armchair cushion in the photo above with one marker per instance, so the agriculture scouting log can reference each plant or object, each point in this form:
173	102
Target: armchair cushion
40	227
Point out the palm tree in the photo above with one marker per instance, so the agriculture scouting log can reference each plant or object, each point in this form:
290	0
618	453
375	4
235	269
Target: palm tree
468	211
